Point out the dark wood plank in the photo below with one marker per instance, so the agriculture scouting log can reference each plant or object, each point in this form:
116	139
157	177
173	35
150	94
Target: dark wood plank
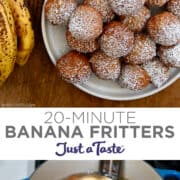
36	84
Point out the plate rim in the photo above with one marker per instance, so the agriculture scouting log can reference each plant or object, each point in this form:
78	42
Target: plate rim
106	97
137	161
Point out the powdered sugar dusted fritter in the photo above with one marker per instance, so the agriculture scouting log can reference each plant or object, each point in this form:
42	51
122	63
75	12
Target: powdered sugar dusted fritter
158	3
85	23
170	55
158	72
144	50
74	67
126	7
105	67
103	7
117	40
59	11
137	21
81	46
164	29
133	77
174	7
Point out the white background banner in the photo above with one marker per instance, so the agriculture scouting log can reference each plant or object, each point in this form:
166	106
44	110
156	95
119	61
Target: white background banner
89	133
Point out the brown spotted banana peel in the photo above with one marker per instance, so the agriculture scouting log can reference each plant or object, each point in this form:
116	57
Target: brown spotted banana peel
24	30
8	41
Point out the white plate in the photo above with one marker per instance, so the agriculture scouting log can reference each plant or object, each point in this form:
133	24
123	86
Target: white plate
60	170
55	43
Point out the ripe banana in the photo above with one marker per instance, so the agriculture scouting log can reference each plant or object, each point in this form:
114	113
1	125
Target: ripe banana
24	30
8	41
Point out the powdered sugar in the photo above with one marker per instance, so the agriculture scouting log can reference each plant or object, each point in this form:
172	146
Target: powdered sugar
136	22
143	51
74	67
126	7
103	7
164	28
170	55
158	72
85	23
133	77
105	67
59	11
174	7
81	46
117	40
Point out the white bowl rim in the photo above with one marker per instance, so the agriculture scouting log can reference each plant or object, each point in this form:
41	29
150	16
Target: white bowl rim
137	161
125	98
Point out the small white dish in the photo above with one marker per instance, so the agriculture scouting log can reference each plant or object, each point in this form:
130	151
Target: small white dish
60	170
56	46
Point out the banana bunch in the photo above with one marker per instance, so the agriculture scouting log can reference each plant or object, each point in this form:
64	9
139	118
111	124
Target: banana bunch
16	36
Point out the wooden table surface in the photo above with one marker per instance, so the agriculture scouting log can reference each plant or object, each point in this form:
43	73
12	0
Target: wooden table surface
36	84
